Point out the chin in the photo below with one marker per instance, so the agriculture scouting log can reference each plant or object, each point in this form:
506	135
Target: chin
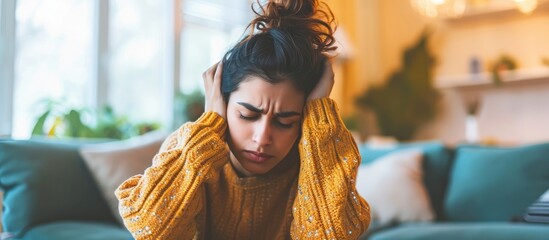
256	170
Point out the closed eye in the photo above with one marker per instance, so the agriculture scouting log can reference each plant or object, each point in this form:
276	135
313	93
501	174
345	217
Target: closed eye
247	118
277	122
284	125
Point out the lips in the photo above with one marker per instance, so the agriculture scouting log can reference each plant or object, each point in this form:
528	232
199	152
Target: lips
257	156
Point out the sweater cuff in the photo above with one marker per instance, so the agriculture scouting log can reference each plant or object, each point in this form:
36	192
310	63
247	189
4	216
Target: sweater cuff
322	112
214	121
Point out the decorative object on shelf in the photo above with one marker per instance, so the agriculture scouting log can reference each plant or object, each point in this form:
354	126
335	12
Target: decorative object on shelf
408	99
188	107
58	120
473	106
475	66
471	121
459	8
504	63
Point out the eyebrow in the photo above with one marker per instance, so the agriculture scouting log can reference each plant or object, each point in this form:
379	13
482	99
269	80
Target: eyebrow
259	110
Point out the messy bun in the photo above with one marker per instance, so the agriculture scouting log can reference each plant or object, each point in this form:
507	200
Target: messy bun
302	17
286	41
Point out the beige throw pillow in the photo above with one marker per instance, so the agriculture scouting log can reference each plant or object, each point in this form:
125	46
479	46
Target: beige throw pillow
393	186
114	162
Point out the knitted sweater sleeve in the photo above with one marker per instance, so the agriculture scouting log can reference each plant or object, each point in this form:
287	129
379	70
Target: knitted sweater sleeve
327	205
165	201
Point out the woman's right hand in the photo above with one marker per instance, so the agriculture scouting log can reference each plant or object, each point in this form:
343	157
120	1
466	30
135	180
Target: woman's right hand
212	85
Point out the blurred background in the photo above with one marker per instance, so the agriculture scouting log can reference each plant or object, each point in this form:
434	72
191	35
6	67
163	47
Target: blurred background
407	70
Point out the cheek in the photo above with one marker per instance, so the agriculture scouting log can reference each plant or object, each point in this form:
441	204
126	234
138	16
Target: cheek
238	131
288	140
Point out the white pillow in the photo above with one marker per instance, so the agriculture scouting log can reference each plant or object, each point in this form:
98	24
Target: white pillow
114	162
393	186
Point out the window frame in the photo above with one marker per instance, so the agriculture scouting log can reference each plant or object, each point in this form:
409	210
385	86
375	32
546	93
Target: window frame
7	60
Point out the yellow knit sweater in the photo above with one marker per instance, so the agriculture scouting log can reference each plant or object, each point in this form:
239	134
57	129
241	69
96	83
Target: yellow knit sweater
192	191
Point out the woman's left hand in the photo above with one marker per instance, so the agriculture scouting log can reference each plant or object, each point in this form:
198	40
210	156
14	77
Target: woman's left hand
324	87
212	86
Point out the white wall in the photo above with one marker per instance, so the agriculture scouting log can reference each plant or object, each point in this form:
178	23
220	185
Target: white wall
515	113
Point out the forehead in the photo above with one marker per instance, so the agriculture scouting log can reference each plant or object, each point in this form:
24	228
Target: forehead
257	91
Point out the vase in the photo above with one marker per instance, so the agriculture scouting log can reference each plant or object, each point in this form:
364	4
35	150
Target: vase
471	129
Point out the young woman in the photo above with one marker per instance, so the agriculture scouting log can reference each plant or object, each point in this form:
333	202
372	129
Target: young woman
270	158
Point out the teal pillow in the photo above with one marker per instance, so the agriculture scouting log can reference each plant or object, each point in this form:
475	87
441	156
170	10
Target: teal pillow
46	182
436	167
496	184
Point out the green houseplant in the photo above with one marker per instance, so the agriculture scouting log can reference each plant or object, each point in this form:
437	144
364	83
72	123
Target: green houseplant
503	63
59	120
408	99
188	107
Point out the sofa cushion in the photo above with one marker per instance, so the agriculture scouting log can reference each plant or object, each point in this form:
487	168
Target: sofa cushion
496	184
375	227
393	186
78	230
113	162
465	231
45	182
436	167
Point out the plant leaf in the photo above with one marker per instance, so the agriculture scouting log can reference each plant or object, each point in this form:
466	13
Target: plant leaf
38	128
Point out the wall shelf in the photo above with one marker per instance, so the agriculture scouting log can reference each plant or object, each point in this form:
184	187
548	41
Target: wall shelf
521	76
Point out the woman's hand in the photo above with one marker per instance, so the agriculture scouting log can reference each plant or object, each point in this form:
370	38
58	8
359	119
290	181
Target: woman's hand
326	83
212	85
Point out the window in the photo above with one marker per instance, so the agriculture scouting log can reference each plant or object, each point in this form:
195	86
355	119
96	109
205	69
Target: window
210	28
84	53
53	57
6	69
136	57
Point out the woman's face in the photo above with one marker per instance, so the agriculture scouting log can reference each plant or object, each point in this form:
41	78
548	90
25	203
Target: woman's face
264	122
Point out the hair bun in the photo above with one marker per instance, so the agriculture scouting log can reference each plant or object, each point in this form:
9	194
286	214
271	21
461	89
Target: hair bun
303	17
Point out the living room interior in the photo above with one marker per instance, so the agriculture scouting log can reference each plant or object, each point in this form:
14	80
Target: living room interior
447	101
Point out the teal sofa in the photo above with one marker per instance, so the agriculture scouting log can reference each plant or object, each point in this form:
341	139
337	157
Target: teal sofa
476	192
49	193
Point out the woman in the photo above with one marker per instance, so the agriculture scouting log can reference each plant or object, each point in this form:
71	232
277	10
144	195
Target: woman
270	158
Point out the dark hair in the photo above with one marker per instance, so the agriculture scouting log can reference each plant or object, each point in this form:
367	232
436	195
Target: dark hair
289	45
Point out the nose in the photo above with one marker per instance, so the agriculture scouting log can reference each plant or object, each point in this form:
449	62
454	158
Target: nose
262	133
